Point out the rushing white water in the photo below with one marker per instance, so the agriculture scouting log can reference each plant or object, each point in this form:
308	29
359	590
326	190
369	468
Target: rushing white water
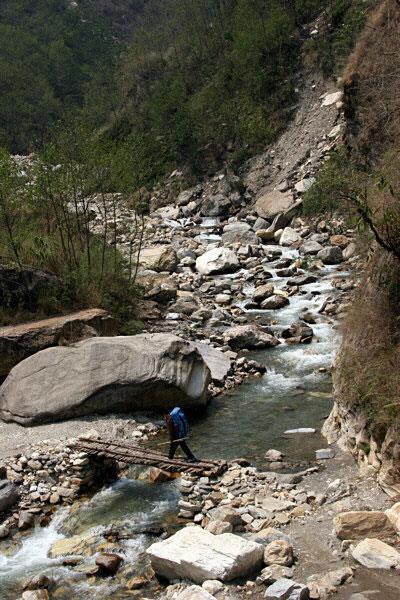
41	540
130	504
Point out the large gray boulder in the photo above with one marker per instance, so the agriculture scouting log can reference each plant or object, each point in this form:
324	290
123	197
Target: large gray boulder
286	589
102	375
250	337
196	554
159	258
331	255
8	495
217	260
270	204
289	236
215	206
239	233
262	292
218	363
310	247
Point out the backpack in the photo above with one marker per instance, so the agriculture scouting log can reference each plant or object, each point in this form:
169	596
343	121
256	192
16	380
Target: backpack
180	422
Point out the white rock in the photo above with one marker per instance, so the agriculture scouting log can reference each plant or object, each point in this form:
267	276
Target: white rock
349	251
159	258
304	185
167	212
272	504
91	434
217	260
300	430
198	555
375	554
104	374
274	455
289	236
335	131
330	99
223	299
194	592
310	247
218	363
212	586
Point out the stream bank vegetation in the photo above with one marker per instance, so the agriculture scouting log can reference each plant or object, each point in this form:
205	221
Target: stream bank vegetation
61	212
362	181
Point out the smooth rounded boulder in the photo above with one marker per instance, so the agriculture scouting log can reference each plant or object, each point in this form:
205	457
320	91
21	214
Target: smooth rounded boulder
331	255
250	337
105	374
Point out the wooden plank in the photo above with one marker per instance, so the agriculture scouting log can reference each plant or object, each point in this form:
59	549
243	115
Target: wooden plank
129	454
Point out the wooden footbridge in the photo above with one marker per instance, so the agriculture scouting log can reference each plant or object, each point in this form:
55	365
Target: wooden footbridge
130	454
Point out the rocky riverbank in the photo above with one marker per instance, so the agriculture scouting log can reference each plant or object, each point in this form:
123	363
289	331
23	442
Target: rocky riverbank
314	533
49	475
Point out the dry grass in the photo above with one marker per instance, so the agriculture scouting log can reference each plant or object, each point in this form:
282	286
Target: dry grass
368	372
371	84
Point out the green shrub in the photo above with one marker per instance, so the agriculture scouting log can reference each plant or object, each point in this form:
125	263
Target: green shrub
345	20
47	221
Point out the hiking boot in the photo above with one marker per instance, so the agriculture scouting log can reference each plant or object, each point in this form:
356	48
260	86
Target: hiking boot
193	460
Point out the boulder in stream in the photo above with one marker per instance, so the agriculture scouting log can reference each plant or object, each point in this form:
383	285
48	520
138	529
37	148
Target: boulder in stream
275	302
218	363
198	555
108	563
217	260
289	236
250	337
35	595
298	332
239	233
331	255
102	375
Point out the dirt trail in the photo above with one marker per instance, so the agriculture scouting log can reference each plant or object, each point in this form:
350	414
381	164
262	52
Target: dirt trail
318	548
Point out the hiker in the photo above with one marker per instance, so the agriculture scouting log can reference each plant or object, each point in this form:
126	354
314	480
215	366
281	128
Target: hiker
178	429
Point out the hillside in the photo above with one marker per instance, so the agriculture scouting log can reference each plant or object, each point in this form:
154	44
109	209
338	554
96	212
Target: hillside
57	59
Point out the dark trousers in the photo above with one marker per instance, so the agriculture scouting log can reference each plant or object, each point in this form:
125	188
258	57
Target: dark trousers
174	446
